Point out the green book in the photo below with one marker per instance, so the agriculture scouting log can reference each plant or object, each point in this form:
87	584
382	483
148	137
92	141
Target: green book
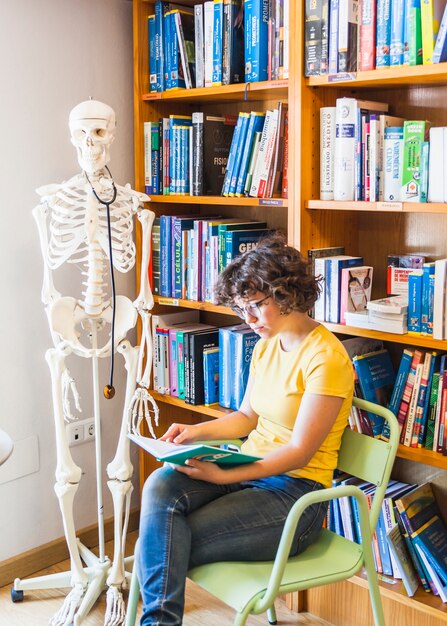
179	453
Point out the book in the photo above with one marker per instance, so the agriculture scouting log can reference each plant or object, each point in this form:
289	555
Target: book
243	342
397	43
256	40
367	28
313	37
333	273
348	17
392	305
398	548
355	290
211	376
199	45
233	43
184	25
415	302
376	378
255	125
252	161
415	133
239	241
440	49
217	42
398	389
208	26
392	163
265	155
226	363
217	137
383	33
431	14
178	454
327	139
333	37
413	14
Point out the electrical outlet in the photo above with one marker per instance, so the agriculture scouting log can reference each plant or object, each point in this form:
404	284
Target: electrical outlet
81	431
89	429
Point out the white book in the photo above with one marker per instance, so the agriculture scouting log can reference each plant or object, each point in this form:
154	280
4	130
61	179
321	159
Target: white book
384	122
261	167
208	21
393	305
327	140
374	164
439	297
286	39
199	45
147	130
437	165
345	148
392	164
182	49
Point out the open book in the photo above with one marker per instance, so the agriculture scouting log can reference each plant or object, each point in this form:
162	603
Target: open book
179	453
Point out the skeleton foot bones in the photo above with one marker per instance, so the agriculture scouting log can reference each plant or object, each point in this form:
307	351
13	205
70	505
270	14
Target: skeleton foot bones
115	611
65	615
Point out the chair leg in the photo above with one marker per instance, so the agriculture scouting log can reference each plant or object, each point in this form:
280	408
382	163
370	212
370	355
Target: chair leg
132	601
374	593
271	615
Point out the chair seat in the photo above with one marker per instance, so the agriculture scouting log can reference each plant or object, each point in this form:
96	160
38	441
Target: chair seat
237	583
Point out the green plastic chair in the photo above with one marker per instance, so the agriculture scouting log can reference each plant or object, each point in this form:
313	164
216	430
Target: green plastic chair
251	587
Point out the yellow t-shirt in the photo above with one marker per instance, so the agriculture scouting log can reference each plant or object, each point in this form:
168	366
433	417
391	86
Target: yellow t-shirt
319	365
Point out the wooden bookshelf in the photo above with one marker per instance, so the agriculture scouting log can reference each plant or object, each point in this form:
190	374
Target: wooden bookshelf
371	230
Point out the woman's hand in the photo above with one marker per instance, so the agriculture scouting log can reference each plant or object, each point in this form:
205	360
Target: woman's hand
182	433
204	470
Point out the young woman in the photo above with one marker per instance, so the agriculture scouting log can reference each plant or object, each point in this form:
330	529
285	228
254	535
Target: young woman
293	414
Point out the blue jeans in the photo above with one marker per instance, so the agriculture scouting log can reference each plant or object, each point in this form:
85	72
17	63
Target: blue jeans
185	523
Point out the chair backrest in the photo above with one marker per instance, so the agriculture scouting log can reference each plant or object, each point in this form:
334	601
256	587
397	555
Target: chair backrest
369	458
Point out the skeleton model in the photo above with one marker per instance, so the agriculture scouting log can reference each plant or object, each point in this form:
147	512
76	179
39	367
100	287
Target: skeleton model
88	220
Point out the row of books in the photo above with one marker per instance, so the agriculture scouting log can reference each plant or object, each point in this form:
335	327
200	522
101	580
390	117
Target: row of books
258	159
217	43
187	154
200	363
410	540
190	251
360	35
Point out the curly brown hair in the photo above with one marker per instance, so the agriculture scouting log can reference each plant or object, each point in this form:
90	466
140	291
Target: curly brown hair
273	268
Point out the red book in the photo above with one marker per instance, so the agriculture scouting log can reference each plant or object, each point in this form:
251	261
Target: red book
367	20
406	396
285	179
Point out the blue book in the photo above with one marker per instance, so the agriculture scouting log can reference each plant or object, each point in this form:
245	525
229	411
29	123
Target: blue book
428	272
256	17
239	241
217	42
211	376
174	148
244	342
232	154
239	151
398	389
255	125
165	256
179	224
414	302
398	20
376	380
333	268
168	48
183	177
440	49
226	364
152	54
159	42
333	37
176	79
383	33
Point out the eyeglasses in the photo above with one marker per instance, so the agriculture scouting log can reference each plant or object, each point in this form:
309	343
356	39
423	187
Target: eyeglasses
253	309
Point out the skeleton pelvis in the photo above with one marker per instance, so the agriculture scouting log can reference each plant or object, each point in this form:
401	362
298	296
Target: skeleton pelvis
67	319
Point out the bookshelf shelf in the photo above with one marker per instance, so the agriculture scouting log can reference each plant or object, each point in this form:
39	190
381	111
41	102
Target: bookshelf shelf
221	201
191	304
379	207
215	410
412	340
421	455
427	603
227	93
435	74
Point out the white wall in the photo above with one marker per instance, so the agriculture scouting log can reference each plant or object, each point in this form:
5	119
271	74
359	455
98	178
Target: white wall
54	54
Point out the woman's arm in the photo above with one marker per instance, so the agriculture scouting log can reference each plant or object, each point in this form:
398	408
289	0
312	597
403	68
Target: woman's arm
232	426
316	416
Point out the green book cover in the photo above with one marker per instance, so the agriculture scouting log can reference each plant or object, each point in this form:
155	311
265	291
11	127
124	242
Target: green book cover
179	453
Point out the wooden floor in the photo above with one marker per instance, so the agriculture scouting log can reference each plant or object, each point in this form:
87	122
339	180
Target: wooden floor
202	609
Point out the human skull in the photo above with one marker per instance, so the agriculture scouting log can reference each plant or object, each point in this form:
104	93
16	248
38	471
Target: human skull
92	127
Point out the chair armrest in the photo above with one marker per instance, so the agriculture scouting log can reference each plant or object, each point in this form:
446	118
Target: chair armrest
323	495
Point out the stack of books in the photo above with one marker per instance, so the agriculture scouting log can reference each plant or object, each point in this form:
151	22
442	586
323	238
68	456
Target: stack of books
388	315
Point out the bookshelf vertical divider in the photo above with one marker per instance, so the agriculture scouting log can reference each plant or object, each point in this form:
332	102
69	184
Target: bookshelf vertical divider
412	92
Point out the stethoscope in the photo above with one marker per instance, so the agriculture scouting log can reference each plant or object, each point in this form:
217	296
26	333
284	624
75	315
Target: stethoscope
109	390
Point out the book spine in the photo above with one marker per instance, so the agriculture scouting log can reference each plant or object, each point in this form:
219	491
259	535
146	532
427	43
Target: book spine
425	377
285	169
398	390
256	15
232	155
173	364
440	49
428	273
414	135
208	11
238	156
227	43
181	364
152	54
397	32
333	37
312	38
439	303
155	286
345	148
406	396
392	147
255	125
431	417
199	45
264	164
327	141
367	53
260	166
414	32
224	368
180	35
159	54
383	34
425	151
217	42
147	157
347	35
414	302
165	259
252	162
428	34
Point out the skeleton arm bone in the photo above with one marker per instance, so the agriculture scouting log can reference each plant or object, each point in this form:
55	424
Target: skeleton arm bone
49	292
145	300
